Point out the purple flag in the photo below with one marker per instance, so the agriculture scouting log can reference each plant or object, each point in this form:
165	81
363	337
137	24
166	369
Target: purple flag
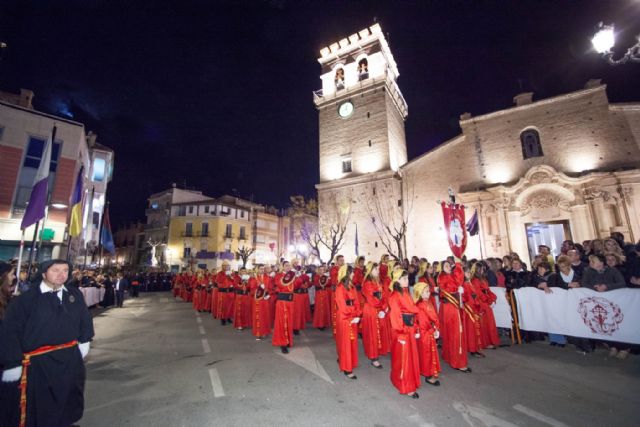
40	192
472	225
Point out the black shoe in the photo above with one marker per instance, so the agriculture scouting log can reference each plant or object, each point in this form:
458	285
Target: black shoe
296	332
284	349
477	354
435	383
414	395
223	322
378	366
466	370
350	375
321	329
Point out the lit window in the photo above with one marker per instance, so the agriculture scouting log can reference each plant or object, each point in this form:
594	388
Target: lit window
530	141
99	167
346	165
339	78
363	69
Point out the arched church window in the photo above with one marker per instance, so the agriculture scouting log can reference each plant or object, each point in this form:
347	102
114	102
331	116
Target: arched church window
530	141
339	78
363	69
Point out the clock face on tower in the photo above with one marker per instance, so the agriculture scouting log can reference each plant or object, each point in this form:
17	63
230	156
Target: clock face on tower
345	109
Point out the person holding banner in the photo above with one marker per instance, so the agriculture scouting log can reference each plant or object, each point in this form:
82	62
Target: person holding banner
472	315
454	340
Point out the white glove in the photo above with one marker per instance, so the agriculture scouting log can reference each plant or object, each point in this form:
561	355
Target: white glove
460	290
267	296
12	375
417	335
436	334
262	286
355	320
436	290
381	315
403	342
84	348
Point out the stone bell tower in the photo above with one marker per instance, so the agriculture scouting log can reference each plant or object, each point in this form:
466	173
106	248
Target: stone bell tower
362	139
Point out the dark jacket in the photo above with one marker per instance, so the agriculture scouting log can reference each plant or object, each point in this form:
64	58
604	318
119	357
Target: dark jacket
517	279
609	276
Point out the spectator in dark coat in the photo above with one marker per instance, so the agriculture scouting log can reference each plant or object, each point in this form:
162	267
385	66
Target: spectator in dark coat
601	277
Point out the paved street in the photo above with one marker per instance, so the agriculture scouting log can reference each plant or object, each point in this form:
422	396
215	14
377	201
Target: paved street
158	363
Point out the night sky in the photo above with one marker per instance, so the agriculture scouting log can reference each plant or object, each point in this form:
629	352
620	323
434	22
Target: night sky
218	95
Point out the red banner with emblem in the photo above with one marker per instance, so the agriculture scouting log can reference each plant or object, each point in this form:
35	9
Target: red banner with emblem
454	226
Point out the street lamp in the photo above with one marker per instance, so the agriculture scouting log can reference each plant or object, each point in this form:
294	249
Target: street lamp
604	40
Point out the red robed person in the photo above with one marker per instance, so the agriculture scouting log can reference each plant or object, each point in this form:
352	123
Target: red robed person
283	326
348	316
226	295
405	364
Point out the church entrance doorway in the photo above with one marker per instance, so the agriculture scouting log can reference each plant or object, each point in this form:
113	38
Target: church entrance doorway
551	233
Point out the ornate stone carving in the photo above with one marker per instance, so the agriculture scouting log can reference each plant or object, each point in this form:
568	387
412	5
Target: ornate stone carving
539	178
543	200
625	192
594	193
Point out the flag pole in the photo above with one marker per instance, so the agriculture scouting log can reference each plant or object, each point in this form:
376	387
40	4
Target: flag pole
19	268
44	222
33	248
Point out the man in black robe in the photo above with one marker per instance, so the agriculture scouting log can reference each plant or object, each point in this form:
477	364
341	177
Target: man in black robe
52	323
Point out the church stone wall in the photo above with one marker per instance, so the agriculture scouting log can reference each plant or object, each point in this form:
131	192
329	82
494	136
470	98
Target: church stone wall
577	132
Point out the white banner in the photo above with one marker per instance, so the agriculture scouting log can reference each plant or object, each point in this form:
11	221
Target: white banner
501	309
610	316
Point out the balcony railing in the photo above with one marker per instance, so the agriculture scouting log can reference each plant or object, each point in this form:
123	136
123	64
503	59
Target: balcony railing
194	234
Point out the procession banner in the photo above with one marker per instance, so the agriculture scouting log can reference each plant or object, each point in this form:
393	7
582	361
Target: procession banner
454	225
501	308
610	316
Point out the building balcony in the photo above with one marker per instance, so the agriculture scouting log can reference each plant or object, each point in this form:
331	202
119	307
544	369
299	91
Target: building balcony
228	236
194	234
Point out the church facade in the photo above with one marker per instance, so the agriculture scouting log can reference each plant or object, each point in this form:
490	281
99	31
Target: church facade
566	167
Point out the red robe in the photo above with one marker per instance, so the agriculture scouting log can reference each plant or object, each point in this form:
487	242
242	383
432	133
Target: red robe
273	291
347	308
283	325
261	308
454	340
472	318
372	325
405	364
302	306
242	310
333	278
428	324
322	312
358	281
488	322
226	296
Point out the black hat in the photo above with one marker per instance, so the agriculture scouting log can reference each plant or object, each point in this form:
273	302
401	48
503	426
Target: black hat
44	266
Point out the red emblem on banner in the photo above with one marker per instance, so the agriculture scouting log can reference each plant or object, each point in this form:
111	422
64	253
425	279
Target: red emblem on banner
600	315
454	225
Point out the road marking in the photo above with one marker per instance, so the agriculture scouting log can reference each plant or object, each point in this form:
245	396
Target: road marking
538	416
199	319
304	357
205	345
216	384
481	414
201	329
417	419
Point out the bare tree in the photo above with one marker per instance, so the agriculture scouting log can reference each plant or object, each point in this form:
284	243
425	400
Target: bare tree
244	253
327	233
390	210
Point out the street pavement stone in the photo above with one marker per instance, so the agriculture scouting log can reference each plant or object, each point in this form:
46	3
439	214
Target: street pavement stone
148	366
